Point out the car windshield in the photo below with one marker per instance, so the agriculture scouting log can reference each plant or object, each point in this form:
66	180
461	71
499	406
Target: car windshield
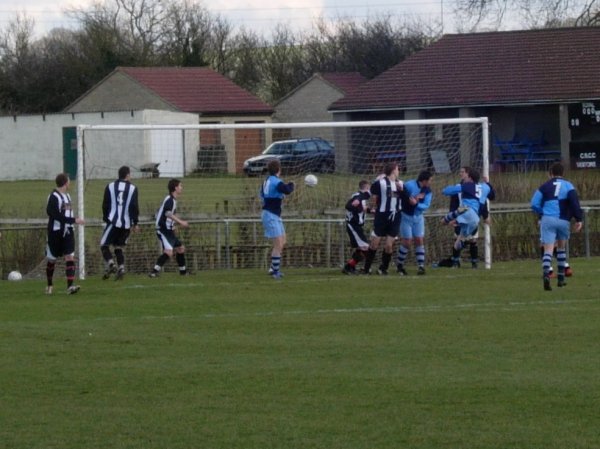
279	148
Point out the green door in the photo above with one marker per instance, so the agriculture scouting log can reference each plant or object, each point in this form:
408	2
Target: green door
70	151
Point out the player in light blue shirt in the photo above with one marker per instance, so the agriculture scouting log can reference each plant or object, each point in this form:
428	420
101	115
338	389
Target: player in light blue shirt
472	195
272	192
415	201
556	202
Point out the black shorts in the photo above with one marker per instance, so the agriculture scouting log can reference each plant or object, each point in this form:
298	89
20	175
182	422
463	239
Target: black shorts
357	235
386	224
114	236
168	239
59	245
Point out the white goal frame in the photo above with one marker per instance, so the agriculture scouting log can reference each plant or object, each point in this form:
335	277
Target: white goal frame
82	128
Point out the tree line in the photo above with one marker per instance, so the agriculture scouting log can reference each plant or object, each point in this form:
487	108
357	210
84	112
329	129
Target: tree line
45	75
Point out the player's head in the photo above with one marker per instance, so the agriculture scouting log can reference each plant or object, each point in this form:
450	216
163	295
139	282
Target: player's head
363	184
424	177
473	174
464	172
124	171
390	168
173	184
273	167
62	179
557	169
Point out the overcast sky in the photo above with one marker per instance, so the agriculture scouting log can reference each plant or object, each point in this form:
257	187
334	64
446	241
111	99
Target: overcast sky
257	15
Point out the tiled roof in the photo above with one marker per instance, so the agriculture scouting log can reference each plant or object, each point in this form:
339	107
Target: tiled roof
348	82
496	68
197	90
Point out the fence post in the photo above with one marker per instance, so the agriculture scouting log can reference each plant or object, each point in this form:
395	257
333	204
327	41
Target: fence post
342	240
227	244
219	244
586	231
328	255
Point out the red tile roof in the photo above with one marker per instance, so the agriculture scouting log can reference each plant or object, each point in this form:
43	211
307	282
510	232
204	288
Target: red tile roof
197	90
348	82
496	68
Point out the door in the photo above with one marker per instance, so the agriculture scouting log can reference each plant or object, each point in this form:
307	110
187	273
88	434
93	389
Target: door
70	151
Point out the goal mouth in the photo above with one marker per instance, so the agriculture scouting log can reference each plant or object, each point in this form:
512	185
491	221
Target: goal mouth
223	165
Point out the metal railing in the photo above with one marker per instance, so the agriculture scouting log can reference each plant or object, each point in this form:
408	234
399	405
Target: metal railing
227	243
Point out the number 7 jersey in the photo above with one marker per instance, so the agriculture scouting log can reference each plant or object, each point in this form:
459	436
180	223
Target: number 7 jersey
557	198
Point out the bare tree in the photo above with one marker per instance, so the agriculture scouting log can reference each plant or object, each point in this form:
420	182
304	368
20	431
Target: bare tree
220	51
17	60
188	33
494	14
245	58
369	47
282	64
48	74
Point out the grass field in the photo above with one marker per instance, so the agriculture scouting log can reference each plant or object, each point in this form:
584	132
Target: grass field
231	196
233	359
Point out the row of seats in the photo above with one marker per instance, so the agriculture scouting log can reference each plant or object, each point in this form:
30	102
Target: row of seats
525	154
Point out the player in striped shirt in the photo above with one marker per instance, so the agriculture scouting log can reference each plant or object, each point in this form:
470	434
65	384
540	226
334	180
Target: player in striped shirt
61	237
165	230
356	209
386	192
120	213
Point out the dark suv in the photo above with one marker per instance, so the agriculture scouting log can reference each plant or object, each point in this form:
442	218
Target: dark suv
296	156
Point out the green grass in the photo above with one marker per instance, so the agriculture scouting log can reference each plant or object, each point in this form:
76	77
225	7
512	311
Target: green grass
237	196
221	196
233	359
27	199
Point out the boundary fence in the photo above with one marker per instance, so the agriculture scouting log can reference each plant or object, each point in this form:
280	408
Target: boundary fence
232	243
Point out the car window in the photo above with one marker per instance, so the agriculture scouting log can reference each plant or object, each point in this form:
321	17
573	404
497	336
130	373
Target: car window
300	147
279	148
311	146
324	145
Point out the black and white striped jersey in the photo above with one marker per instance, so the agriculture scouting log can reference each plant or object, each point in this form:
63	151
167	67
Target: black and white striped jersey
60	212
120	204
388	195
167	208
356	214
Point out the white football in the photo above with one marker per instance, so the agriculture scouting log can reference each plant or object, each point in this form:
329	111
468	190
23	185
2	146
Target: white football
14	276
311	180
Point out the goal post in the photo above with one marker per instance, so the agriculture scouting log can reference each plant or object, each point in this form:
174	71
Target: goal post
219	166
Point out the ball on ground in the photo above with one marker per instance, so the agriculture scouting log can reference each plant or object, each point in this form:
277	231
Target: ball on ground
311	180
14	276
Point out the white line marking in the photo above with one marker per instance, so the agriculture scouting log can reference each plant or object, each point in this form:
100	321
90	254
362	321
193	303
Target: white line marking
478	307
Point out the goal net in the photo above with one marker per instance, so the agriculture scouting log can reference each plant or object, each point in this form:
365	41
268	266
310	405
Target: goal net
222	167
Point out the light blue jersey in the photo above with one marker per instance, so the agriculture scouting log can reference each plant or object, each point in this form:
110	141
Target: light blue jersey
412	224
557	202
272	192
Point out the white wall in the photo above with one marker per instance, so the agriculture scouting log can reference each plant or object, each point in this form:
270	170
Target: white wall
31	147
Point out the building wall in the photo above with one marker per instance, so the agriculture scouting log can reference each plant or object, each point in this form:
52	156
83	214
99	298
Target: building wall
31	147
119	93
240	144
309	104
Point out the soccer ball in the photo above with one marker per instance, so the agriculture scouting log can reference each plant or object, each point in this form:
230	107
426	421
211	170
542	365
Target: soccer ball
14	276
311	180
